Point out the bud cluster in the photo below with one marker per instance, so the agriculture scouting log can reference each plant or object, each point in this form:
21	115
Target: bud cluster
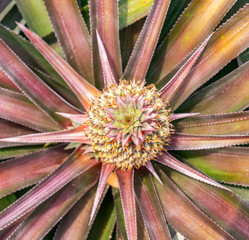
128	125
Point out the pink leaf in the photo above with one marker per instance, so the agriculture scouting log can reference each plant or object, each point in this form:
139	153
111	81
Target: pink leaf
84	90
106	68
168	91
126	186
77	163
70	135
175	164
194	142
139	61
105	173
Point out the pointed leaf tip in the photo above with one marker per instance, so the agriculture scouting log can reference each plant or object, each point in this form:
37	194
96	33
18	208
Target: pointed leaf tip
175	164
106	68
79	118
182	115
169	90
77	163
69	135
72	34
83	89
143	51
105	173
152	170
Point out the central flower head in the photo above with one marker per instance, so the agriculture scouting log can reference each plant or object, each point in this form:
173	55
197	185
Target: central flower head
128	125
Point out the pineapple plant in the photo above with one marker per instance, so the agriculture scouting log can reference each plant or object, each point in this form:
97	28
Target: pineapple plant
117	123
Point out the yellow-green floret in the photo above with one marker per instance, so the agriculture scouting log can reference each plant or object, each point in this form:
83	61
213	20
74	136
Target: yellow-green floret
128	125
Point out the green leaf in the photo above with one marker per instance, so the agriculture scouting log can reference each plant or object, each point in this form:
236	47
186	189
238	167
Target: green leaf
12	152
241	191
35	14
119	212
230	165
9	15
104	223
6	201
132	10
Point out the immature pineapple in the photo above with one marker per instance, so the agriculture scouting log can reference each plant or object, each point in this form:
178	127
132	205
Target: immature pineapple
140	128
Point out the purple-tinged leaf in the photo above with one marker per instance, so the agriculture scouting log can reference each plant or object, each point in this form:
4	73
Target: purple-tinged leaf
104	19
150	167
75	224
230	165
106	170
72	34
61	88
46	215
10	129
175	164
224	207
196	142
177	116
139	61
126	186
6	233
5	82
194	25
168	91
76	164
84	90
4	4
228	94
227	43
22	172
106	68
17	108
32	86
69	135
79	118
150	206
184	216
27	52
215	124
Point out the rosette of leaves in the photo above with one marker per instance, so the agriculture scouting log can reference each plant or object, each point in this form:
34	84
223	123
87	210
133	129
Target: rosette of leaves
110	129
